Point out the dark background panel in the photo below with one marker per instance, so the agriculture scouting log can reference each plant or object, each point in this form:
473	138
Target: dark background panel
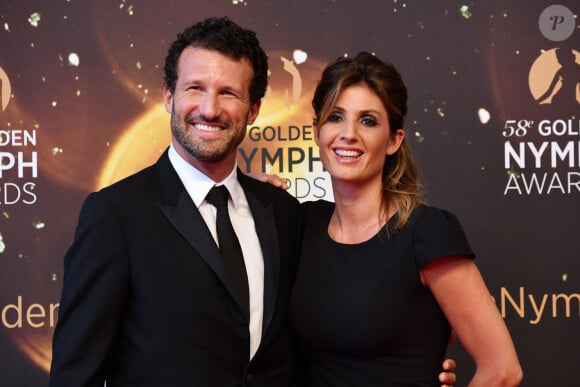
454	63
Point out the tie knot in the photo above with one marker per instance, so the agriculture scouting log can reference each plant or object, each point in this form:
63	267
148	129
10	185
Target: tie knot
218	196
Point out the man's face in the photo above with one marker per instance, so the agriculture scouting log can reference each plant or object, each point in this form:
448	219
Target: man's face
210	108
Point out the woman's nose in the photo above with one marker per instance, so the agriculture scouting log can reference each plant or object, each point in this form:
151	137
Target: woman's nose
348	130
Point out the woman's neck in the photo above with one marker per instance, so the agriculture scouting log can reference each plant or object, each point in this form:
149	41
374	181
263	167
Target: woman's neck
359	213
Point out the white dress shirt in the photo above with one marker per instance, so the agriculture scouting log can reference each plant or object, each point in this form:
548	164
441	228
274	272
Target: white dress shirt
197	186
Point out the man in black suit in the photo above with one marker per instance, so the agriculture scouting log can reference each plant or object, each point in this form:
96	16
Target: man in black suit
147	299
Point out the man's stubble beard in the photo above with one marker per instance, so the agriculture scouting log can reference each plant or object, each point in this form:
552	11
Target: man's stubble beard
200	149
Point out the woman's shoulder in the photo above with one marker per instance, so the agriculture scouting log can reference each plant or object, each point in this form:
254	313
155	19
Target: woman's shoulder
424	213
314	211
317	205
436	233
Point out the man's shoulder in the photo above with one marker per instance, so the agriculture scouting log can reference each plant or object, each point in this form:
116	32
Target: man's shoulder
152	175
266	191
138	178
142	186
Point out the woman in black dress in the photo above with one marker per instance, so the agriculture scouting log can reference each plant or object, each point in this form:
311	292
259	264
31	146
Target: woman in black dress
383	277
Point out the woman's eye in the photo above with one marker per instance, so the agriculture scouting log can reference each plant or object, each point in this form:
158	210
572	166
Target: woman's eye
369	121
334	118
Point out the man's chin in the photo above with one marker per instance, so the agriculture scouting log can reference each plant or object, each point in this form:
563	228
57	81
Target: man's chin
215	157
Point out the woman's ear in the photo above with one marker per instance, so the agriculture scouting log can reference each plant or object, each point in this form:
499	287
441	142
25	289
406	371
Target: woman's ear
316	129
395	141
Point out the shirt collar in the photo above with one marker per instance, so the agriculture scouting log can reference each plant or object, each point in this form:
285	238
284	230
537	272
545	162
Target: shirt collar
198	185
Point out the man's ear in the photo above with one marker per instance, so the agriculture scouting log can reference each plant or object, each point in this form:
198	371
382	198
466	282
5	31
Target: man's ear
395	141
167	99
254	111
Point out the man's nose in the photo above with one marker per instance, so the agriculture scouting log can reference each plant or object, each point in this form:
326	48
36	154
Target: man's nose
209	106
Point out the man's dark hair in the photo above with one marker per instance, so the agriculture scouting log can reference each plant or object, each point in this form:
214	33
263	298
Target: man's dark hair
227	38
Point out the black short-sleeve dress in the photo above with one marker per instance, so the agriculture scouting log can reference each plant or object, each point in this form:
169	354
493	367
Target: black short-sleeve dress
360	313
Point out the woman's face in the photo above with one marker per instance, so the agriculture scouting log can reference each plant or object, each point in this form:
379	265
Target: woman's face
357	137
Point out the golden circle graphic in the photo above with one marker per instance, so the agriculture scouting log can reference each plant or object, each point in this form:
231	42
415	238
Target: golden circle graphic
6	90
552	77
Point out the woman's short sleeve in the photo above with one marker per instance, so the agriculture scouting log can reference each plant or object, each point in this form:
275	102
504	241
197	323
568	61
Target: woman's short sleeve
437	234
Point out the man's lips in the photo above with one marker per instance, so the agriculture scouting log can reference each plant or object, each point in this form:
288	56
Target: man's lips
207	127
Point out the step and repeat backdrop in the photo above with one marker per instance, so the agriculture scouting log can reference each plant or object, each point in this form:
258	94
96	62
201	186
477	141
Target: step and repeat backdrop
494	122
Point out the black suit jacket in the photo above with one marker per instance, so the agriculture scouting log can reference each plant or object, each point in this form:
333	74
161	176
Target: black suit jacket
146	300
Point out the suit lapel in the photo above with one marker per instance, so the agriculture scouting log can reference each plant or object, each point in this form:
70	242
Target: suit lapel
180	210
264	220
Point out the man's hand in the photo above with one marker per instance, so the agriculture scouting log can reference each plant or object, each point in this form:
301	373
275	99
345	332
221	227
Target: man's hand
275	180
447	377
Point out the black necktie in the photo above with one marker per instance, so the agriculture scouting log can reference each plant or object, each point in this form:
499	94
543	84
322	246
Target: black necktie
229	245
